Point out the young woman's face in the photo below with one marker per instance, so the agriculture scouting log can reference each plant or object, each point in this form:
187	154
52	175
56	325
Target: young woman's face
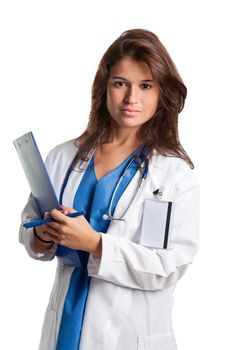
132	93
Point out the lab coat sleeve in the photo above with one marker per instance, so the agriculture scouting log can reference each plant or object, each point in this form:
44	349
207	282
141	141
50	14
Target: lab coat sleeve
30	212
131	265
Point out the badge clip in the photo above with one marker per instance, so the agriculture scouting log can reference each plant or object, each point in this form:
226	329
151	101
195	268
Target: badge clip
158	191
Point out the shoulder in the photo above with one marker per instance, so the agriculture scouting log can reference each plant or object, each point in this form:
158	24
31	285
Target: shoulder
65	147
62	153
175	168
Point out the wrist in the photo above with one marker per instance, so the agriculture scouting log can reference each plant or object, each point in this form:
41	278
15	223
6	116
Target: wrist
40	238
96	248
38	246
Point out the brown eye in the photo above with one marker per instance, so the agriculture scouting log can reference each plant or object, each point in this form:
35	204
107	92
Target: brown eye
119	83
146	86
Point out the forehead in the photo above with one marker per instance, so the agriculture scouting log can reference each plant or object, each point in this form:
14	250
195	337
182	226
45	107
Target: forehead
128	67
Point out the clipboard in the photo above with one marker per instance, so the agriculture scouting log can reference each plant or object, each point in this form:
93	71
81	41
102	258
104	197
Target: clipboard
36	173
43	191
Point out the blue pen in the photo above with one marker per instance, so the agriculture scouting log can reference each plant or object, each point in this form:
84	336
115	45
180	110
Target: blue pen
44	221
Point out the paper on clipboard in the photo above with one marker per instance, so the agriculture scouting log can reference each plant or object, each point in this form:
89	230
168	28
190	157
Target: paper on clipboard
36	173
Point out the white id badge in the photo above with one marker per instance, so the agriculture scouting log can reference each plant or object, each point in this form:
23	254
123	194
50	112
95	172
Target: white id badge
156	223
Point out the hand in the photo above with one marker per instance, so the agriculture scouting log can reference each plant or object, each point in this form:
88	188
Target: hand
38	245
42	230
74	233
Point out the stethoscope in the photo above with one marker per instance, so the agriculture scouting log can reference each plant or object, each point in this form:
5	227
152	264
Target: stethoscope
143	177
109	216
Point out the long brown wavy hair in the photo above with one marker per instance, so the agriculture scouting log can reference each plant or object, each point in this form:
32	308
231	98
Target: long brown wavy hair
161	131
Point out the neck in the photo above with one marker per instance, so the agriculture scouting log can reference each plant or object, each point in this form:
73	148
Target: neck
126	137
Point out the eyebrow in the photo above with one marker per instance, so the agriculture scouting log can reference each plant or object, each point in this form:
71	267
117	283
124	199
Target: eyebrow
145	80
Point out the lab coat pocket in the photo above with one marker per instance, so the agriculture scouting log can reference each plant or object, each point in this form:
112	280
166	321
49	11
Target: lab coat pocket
48	337
157	342
156	223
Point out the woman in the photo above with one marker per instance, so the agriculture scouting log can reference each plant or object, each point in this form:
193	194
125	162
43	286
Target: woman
119	263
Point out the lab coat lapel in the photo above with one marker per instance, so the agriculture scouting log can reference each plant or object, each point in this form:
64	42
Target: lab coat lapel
74	181
129	193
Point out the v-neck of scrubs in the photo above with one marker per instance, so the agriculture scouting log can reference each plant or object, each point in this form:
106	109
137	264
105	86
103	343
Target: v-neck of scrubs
113	170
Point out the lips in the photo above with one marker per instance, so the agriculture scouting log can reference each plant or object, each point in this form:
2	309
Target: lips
129	110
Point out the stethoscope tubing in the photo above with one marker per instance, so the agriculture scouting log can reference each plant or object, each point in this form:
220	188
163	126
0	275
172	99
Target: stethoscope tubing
109	216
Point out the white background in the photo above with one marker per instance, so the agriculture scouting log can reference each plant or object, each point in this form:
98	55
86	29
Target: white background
49	54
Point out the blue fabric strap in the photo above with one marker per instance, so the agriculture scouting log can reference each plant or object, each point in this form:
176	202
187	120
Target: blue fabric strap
71	324
93	196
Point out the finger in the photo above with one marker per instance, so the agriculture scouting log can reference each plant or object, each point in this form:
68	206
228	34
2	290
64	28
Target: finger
52	237
50	230
55	225
58	215
64	210
46	215
69	210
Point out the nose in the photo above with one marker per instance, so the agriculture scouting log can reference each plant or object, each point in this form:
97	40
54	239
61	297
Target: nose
131	96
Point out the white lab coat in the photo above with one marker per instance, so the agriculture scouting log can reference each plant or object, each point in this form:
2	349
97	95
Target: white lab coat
130	299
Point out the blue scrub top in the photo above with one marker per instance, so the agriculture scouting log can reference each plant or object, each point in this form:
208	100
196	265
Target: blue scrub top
92	196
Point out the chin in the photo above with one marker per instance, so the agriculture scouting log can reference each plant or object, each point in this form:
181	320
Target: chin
129	122
131	125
